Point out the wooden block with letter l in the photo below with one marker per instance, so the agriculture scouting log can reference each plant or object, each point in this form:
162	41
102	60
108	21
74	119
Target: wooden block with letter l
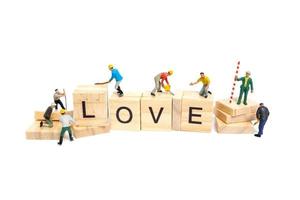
125	112
242	127
196	112
234	110
90	105
156	112
35	132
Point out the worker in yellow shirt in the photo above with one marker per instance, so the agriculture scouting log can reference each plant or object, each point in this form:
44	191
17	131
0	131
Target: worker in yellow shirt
205	81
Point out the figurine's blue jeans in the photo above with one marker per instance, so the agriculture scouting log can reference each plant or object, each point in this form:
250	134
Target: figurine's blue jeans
117	84
204	91
261	126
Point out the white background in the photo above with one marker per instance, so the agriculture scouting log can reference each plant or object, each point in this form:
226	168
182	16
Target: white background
60	44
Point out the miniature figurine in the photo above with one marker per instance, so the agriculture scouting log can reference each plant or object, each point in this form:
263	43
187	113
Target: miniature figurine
205	81
159	80
115	74
245	86
262	115
47	117
67	122
57	95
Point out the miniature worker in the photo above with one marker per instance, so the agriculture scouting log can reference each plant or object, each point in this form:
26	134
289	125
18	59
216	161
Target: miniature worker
115	74
245	86
160	80
262	115
47	117
205	81
57	95
67	122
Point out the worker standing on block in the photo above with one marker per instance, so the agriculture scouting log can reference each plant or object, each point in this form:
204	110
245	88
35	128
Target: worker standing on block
47	117
159	80
205	81
67	122
57	95
262	115
245	86
115	74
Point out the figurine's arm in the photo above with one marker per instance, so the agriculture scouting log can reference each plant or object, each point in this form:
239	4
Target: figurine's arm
251	85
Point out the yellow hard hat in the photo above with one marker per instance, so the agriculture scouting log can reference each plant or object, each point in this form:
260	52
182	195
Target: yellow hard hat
167	88
170	72
110	66
62	111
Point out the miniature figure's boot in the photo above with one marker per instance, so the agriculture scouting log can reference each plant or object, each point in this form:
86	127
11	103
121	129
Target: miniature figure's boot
60	140
119	90
71	137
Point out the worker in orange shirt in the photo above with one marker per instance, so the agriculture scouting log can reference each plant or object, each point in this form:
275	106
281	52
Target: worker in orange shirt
159	80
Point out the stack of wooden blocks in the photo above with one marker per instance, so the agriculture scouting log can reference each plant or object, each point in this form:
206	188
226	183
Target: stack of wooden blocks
90	110
35	132
233	118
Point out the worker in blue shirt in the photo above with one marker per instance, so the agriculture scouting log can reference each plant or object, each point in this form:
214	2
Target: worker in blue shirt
115	74
262	115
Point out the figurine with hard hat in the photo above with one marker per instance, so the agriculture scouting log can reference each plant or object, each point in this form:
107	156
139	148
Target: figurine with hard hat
247	84
205	81
47	117
66	121
115	74
160	80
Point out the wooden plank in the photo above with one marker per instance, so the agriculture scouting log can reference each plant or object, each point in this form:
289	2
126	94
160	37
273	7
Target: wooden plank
35	132
125	112
85	131
228	119
197	112
39	115
177	105
156	112
242	127
234	110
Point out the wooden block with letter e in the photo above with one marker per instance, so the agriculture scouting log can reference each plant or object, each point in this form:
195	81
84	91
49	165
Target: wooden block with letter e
125	112
90	105
234	110
196	112
156	112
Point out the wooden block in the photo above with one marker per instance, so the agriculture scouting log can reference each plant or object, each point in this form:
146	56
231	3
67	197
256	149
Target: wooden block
39	115
242	127
234	119
90	105
197	112
85	131
125	112
156	112
35	132
177	105
233	109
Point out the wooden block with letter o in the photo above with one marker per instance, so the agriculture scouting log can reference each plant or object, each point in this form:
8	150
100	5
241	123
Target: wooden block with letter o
90	105
196	112
156	112
125	112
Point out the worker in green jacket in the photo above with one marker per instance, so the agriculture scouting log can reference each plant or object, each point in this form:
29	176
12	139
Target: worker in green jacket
245	86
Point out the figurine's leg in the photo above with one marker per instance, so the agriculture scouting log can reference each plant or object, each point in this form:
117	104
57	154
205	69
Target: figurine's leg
157	82
201	93
245	96
240	96
261	127
62	133
61	104
70	134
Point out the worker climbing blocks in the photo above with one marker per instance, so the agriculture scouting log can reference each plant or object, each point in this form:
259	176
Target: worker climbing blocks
156	112
125	112
192	112
90	110
233	118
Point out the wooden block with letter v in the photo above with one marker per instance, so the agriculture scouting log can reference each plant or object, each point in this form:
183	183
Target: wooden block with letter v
125	112
90	105
156	112
196	112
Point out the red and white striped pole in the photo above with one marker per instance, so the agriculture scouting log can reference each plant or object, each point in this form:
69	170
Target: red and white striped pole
234	84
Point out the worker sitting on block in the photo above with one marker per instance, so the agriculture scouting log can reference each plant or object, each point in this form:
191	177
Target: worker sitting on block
159	80
205	81
66	121
47	117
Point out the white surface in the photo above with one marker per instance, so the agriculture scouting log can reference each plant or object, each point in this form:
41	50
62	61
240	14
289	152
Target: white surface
60	44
